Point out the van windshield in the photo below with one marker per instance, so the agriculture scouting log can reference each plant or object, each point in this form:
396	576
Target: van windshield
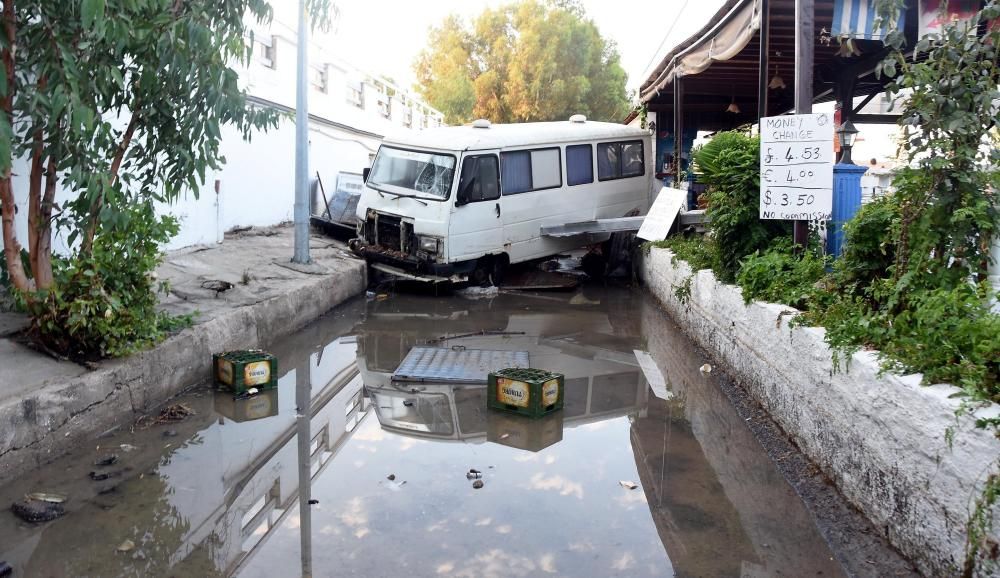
412	171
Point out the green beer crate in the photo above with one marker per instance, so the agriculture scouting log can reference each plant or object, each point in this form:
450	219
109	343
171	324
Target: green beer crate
530	392
241	370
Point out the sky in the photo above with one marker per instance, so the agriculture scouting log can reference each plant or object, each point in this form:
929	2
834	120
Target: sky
385	36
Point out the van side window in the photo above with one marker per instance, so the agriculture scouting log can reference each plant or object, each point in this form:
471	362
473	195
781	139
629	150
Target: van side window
523	171
579	164
480	179
618	160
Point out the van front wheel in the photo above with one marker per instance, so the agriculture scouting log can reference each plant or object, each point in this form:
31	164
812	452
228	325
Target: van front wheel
489	271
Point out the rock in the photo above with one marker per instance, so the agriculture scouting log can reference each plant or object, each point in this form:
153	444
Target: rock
477	484
391	477
126	546
106	460
170	433
36	511
313	502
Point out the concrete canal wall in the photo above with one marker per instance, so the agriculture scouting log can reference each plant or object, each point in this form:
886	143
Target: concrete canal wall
47	420
881	439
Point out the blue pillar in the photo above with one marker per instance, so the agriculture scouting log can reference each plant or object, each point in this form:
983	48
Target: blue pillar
846	202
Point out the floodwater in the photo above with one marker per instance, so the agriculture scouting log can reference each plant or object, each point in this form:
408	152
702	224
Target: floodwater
227	490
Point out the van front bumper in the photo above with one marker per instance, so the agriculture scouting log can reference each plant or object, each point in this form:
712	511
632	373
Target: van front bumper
409	267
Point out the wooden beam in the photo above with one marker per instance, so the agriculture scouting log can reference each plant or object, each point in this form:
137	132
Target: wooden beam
876	118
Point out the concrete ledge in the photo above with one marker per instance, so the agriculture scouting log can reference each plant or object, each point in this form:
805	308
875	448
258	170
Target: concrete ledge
880	438
40	426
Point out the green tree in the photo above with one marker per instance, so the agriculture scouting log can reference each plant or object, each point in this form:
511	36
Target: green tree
120	102
527	61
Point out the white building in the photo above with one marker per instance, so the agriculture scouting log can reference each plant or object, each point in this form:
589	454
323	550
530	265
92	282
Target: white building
350	110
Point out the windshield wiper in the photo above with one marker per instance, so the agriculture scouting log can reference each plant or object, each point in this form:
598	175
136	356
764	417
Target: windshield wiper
398	195
406	196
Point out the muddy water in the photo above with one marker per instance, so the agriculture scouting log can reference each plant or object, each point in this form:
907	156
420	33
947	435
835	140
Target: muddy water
227	490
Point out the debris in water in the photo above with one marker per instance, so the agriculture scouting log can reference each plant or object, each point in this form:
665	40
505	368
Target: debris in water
369	295
474	474
313	502
35	511
408	403
128	447
170	414
106	460
381	296
170	433
46	497
126	546
175	412
505	436
477	484
253	391
101	476
479	292
107	490
391	477
705	368
628	484
5	569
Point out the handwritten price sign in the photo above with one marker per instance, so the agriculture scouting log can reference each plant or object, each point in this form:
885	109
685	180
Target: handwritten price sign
796	167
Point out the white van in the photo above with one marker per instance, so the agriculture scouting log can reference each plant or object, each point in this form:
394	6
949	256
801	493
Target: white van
463	202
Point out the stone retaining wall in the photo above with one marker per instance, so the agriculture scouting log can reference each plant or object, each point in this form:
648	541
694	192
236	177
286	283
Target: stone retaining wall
881	439
42	426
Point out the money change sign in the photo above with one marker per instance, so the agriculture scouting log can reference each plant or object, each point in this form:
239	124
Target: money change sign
796	167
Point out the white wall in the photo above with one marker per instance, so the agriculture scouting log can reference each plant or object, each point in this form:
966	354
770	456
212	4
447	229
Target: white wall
879	437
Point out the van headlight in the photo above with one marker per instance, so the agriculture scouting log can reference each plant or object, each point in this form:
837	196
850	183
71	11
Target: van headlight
429	244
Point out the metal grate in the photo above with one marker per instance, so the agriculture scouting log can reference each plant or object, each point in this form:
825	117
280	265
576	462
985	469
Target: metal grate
456	365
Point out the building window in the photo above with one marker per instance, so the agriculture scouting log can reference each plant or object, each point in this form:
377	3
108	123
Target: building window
264	51
523	171
383	107
579	164
356	96
619	160
318	78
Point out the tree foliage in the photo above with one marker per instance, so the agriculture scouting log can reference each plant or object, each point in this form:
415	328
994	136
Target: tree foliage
121	103
528	61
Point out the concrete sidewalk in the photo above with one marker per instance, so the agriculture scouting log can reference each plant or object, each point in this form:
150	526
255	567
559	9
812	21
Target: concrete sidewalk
48	406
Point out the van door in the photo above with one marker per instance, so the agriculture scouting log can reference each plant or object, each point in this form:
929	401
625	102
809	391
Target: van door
475	228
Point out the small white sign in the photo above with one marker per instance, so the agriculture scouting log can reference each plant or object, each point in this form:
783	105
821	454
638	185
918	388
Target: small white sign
661	215
796	167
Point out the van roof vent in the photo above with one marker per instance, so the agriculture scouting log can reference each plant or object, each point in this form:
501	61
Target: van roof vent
578	118
480	123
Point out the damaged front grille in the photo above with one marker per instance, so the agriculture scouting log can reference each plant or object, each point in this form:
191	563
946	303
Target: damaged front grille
390	232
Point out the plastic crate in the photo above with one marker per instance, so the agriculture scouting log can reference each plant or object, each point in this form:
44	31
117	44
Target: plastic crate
530	392
241	370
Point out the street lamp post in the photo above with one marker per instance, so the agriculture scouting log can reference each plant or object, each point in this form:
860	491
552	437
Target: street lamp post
301	214
846	135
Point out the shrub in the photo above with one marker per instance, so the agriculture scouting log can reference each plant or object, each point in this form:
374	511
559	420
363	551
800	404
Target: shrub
104	304
730	166
697	251
781	275
869	246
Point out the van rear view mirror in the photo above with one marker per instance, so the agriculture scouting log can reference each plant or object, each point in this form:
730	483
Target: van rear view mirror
364	173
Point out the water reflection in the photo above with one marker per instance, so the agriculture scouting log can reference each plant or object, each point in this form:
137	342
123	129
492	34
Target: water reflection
230	495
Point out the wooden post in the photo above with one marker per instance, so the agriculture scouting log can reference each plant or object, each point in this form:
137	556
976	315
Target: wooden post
805	30
678	129
762	82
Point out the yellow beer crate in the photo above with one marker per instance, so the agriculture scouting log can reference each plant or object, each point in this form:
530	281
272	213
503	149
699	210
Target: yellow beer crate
241	370
530	392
